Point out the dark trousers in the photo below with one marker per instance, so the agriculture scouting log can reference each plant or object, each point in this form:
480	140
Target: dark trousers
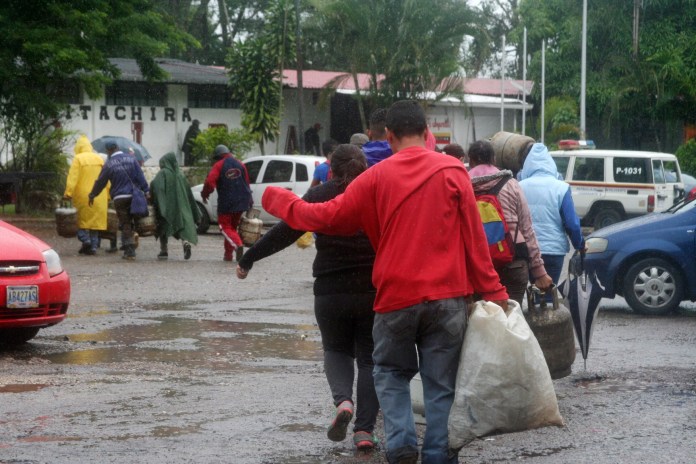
515	277
125	220
345	321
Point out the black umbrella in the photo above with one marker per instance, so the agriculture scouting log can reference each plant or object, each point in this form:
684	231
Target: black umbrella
124	144
583	292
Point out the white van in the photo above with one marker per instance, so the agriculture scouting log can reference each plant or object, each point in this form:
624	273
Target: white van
291	172
609	186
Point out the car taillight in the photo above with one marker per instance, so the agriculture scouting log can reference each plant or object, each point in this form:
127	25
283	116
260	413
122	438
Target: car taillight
651	203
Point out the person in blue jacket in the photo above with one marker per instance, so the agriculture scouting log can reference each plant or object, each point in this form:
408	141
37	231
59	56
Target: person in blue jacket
553	211
377	149
125	175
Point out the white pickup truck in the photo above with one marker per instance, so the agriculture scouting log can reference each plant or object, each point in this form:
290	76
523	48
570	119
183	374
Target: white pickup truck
609	186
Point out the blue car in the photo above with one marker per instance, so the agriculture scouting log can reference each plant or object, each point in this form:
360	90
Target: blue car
649	260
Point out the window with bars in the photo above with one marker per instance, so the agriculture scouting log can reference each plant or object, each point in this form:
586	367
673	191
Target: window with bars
136	94
210	96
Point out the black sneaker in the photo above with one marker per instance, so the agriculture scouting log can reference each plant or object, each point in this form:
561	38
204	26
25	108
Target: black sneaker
163	255
85	248
187	250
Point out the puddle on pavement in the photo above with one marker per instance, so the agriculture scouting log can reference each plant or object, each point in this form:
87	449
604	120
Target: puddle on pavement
599	384
22	387
196	343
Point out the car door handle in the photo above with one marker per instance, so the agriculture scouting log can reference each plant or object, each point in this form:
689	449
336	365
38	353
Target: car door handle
632	192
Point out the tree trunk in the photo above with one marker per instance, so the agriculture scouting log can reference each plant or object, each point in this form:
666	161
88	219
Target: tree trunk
224	23
358	95
636	27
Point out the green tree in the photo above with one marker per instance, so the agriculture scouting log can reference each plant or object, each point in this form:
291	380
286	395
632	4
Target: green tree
256	66
641	75
406	46
49	46
237	140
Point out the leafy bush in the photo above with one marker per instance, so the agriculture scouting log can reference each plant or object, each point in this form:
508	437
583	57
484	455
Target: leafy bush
686	154
238	141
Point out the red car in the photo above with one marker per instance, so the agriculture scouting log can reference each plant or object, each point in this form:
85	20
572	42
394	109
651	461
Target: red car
34	287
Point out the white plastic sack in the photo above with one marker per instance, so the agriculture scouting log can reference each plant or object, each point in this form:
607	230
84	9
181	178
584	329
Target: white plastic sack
503	382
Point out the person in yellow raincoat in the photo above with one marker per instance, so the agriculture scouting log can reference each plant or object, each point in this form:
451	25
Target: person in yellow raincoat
84	170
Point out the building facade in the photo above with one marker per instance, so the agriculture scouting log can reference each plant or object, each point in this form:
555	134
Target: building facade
157	115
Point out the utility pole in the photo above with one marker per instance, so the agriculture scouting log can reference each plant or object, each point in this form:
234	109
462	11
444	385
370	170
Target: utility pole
300	98
583	71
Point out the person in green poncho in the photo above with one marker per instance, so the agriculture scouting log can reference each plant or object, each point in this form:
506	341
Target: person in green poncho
175	208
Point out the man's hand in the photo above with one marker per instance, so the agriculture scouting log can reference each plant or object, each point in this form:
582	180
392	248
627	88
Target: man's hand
241	272
67	197
544	283
205	200
91	200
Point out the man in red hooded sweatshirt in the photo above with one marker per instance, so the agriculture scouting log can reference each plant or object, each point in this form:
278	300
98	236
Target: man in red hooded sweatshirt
414	197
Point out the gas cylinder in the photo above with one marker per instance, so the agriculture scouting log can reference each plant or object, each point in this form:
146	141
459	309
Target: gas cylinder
510	150
552	326
250	227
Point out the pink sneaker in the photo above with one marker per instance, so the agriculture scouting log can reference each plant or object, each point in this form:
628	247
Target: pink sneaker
339	426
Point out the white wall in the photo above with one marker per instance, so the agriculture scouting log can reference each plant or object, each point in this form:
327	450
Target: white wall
163	127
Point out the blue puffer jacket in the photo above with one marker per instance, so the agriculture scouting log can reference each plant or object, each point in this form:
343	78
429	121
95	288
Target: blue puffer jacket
124	173
551	203
376	151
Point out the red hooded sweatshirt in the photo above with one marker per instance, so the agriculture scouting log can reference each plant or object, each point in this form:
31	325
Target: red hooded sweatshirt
418	210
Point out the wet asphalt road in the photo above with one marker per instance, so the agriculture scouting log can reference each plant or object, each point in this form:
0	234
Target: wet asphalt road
180	362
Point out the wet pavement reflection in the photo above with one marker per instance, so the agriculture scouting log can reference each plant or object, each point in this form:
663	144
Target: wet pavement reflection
217	345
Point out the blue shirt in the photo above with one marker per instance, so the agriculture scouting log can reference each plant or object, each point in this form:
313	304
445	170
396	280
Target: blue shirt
321	172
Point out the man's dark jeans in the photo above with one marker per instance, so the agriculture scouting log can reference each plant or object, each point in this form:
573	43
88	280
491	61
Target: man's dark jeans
125	220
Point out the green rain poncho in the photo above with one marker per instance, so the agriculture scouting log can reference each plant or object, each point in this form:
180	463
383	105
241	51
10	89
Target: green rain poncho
177	212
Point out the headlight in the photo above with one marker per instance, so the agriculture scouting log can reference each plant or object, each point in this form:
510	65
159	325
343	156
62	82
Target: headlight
53	262
596	245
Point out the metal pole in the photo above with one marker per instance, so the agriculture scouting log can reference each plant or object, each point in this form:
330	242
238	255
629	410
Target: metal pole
524	83
502	88
543	87
300	98
583	71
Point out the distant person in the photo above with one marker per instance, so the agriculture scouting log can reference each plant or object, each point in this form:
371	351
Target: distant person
125	175
527	260
84	171
359	139
455	150
343	300
187	146
377	149
230	178
176	211
552	207
415	196
322	173
311	140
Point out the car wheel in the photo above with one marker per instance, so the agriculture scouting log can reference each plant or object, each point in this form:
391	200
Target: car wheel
606	217
653	286
17	336
203	226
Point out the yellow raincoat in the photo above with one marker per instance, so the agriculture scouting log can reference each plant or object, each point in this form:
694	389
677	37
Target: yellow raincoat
84	170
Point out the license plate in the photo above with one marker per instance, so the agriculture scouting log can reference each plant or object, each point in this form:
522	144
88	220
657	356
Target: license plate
23	296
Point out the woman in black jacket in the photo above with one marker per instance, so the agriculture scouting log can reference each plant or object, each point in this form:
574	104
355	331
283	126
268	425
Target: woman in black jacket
343	301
